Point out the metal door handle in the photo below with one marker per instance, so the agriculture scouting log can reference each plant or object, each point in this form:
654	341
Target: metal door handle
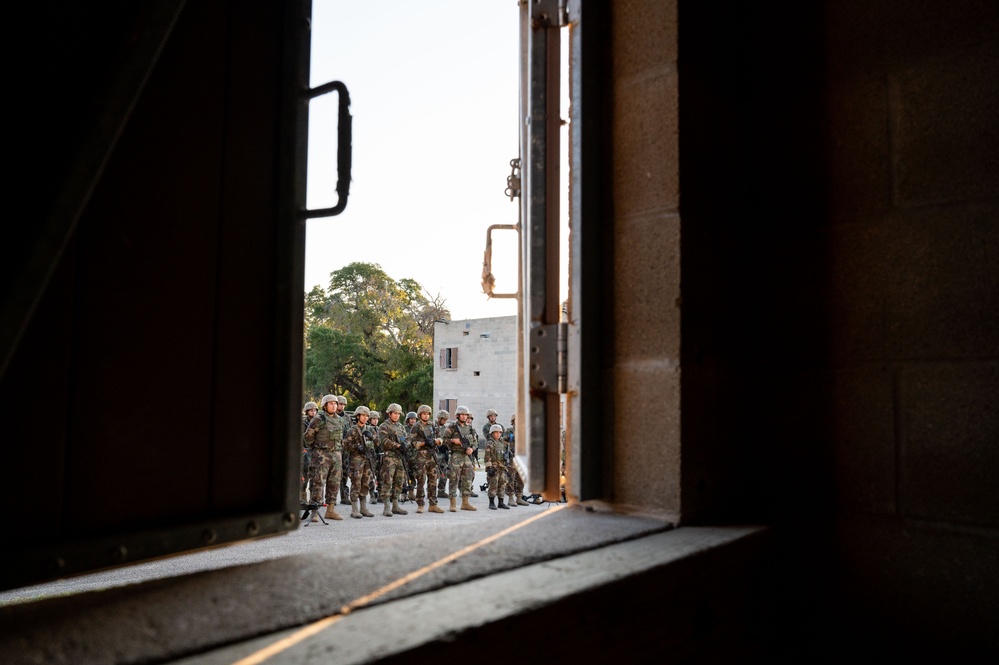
343	149
487	262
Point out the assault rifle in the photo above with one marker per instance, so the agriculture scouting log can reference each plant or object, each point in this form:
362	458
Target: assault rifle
431	444
465	445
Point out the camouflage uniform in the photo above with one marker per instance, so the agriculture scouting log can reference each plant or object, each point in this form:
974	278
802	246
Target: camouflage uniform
461	464
371	440
490	421
443	451
356	444
425	464
496	454
515	489
345	422
473	459
392	436
306	462
325	436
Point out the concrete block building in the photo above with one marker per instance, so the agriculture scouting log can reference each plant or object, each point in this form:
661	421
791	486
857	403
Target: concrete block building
476	366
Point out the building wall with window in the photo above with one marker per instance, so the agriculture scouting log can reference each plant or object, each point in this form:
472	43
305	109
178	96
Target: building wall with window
476	366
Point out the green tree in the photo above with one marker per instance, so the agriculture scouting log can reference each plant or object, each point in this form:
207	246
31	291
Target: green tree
372	337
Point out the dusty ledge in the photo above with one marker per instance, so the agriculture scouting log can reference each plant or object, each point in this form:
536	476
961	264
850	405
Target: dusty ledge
176	617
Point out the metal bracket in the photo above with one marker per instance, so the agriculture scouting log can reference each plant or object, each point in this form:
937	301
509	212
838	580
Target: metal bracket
513	180
549	13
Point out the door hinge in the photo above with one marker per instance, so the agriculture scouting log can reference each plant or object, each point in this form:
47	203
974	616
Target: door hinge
548	357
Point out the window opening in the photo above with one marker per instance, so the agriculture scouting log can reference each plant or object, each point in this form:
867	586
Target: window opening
449	358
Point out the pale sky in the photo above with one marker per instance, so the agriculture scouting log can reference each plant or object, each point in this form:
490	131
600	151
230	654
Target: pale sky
434	97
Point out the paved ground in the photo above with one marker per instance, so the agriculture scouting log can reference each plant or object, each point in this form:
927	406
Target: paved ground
314	538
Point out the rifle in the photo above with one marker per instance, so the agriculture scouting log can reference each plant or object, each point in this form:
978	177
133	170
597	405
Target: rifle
465	445
508	455
432	446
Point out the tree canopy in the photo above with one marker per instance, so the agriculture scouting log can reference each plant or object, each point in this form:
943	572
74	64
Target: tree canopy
370	336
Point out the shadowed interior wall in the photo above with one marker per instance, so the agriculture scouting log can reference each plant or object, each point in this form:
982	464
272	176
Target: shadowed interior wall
839	198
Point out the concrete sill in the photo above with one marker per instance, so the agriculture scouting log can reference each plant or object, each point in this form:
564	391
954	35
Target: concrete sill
566	572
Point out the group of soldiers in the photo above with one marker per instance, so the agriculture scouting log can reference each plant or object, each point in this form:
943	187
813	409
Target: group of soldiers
416	458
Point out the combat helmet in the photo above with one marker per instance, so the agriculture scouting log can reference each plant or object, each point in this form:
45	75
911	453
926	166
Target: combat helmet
327	399
443	414
393	408
362	411
374	414
491	412
460	410
310	405
424	408
411	414
341	399
496	428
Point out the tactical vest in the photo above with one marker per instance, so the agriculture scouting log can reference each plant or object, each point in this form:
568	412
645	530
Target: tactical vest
498	453
329	434
394	432
354	441
336	429
467	431
425	435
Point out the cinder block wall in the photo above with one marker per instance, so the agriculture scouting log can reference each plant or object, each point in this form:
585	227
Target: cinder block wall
911	242
839	198
487	347
646	284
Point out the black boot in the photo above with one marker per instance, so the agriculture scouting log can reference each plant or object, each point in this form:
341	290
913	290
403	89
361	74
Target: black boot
492	503
503	505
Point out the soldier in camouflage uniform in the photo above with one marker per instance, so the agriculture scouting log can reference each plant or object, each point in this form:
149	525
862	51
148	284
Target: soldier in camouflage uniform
341	405
497	452
372	426
325	436
356	444
393	438
491	415
515	490
442	454
460	437
474	457
411	420
310	410
423	440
